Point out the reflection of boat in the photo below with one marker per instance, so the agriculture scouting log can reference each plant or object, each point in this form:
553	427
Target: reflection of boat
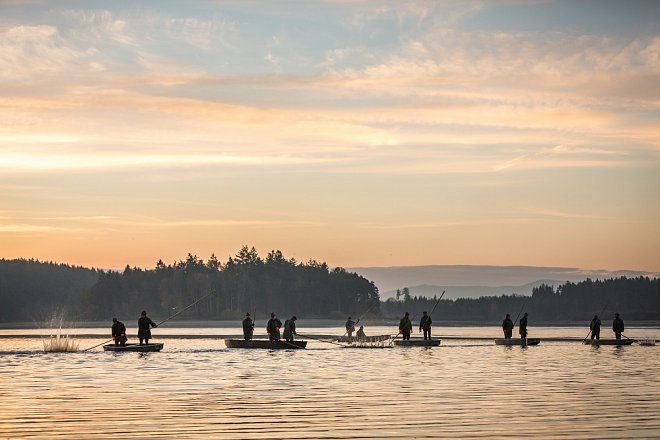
609	341
417	343
264	343
517	341
134	347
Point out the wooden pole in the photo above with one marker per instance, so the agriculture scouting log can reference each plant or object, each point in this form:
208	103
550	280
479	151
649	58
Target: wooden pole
162	322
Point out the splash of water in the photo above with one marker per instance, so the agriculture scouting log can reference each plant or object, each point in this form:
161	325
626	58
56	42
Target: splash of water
59	342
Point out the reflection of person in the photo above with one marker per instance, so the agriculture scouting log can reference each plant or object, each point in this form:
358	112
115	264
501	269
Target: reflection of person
248	327
425	324
405	327
595	327
273	328
290	329
617	326
507	326
522	329
360	333
144	328
119	332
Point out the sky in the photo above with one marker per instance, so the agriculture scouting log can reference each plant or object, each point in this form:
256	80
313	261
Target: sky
360	133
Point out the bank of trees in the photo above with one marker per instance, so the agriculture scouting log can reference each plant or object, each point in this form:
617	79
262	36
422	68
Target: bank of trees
32	290
245	282
635	298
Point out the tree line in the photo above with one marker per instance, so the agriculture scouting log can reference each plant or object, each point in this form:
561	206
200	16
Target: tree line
245	282
634	298
31	290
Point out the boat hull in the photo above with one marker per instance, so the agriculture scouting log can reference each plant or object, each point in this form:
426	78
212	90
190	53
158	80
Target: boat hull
134	347
609	341
517	341
264	344
418	343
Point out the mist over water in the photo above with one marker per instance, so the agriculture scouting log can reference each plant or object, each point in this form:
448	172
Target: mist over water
196	388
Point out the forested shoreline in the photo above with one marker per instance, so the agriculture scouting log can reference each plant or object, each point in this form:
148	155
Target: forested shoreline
245	282
635	298
36	291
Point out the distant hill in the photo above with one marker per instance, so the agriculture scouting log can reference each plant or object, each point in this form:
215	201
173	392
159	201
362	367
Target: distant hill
465	281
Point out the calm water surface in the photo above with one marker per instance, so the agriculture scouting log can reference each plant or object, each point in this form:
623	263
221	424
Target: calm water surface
196	388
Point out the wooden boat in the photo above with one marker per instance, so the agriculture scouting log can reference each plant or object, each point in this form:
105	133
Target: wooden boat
158	346
417	343
517	341
609	341
264	344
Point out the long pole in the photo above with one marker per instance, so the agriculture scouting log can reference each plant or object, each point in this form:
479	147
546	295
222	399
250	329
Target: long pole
321	340
436	305
521	309
601	314
160	323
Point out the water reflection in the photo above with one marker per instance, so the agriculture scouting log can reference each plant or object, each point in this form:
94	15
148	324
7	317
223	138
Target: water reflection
199	389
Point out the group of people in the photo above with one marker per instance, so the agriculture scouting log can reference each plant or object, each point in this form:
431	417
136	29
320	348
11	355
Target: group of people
272	328
594	327
617	327
350	328
144	330
405	328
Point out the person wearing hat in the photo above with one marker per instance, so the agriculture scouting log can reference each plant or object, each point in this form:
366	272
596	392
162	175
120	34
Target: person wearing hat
144	328
617	326
405	327
119	332
507	327
290	329
350	328
522	328
425	324
594	326
273	328
248	327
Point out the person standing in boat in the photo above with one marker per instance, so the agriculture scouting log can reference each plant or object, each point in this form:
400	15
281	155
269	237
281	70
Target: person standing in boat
290	329
594	326
405	327
273	328
507	326
248	327
119	332
360	334
425	324
350	328
617	326
522	329
144	328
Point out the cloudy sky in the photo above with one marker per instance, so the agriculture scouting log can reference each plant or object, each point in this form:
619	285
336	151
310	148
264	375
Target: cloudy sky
361	133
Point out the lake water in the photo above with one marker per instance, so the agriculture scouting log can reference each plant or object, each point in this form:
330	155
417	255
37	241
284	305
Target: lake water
196	388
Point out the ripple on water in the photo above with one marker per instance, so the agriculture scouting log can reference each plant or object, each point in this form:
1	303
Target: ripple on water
197	388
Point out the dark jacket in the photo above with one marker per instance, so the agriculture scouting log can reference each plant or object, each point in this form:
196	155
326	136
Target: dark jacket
350	325
144	327
405	326
507	324
522	329
118	329
289	329
425	322
248	325
273	327
617	325
595	324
